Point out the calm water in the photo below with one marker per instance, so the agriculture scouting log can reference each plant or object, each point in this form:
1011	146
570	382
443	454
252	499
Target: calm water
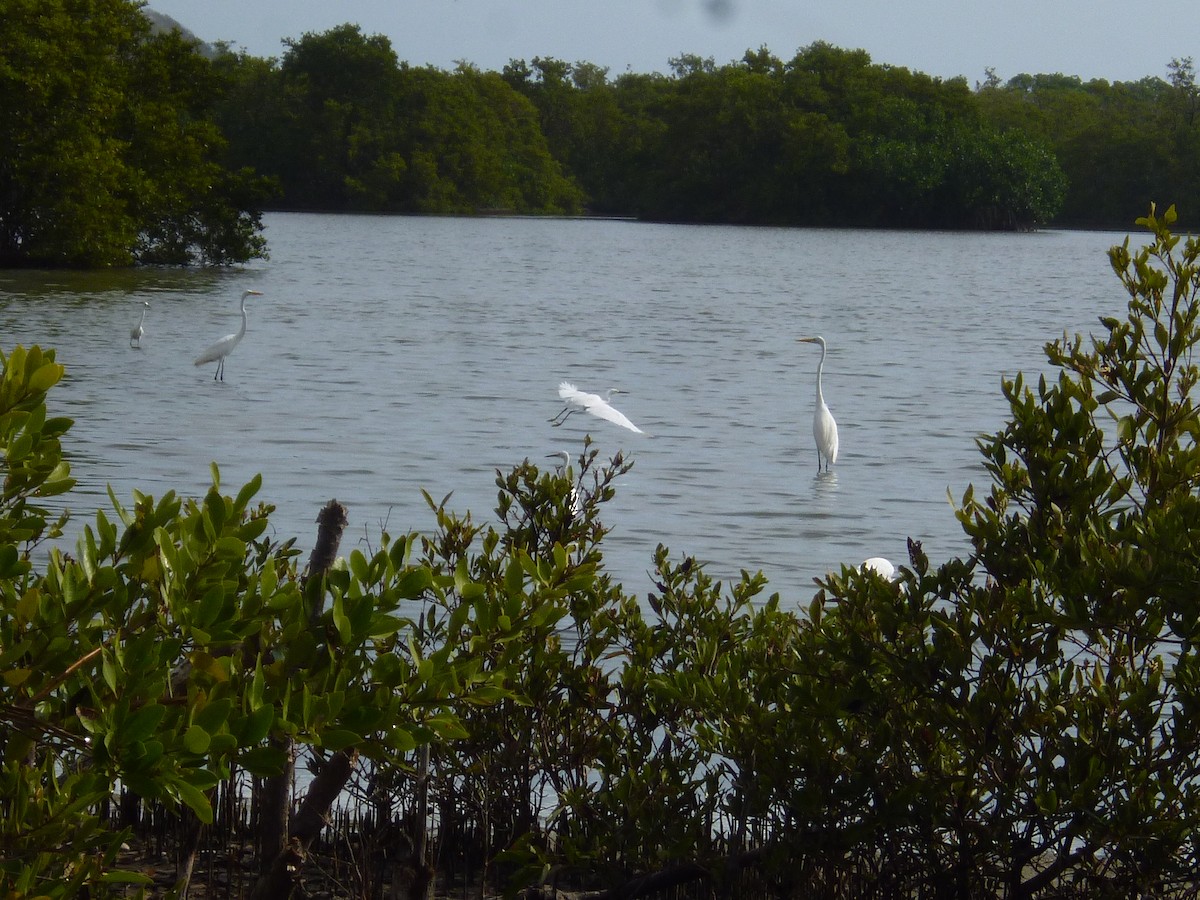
389	355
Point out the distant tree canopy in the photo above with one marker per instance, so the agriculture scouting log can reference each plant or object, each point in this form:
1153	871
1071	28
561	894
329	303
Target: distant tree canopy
1118	143
118	146
827	137
108	152
343	125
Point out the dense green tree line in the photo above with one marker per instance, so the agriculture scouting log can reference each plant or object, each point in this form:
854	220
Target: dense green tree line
341	124
118	145
827	137
1118	143
1021	722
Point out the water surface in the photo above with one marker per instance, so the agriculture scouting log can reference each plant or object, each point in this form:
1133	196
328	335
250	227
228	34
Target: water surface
391	354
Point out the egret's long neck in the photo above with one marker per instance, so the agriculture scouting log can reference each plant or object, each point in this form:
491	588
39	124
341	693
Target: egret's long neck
242	330
143	318
820	368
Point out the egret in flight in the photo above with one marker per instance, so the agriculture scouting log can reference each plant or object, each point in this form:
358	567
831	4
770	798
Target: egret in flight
135	333
598	406
824	427
222	348
576	494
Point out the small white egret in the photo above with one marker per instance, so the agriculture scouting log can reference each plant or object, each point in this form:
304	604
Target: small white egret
598	406
564	459
824	427
222	348
880	565
135	333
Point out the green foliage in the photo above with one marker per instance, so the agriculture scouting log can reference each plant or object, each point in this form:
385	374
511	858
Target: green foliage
347	127
825	138
110	151
1088	539
176	642
132	148
1117	143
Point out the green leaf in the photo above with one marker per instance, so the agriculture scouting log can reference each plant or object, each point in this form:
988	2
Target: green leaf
413	582
263	761
339	739
194	798
108	668
46	377
384	626
256	685
358	567
340	620
514	578
401	739
214	715
196	740
257	725
143	723
248	491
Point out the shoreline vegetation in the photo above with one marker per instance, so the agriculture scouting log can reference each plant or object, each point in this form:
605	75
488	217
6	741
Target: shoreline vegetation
128	145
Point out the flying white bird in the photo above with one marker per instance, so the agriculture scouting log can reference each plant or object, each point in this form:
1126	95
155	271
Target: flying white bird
598	406
135	333
576	494
824	427
222	348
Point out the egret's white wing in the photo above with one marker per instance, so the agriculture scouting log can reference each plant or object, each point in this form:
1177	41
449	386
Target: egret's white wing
217	350
603	409
568	393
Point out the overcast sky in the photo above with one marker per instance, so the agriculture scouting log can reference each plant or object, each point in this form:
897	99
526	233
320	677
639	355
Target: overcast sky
1117	41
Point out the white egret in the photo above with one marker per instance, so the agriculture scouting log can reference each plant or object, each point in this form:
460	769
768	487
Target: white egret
222	348
135	333
880	565
598	406
576	494
824	427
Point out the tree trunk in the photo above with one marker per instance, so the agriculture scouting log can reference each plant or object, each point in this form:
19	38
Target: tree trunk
279	878
280	853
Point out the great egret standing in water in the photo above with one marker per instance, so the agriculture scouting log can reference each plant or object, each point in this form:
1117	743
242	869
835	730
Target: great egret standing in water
598	406
824	427
576	495
222	348
135	333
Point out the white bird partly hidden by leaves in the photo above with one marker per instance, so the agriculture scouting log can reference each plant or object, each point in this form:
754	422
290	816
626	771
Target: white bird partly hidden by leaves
880	565
824	427
135	333
598	406
222	348
564	459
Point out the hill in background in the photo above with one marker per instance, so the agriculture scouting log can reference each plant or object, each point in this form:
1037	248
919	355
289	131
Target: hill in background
160	22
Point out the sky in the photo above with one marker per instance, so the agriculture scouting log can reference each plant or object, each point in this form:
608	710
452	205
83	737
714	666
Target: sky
1116	41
